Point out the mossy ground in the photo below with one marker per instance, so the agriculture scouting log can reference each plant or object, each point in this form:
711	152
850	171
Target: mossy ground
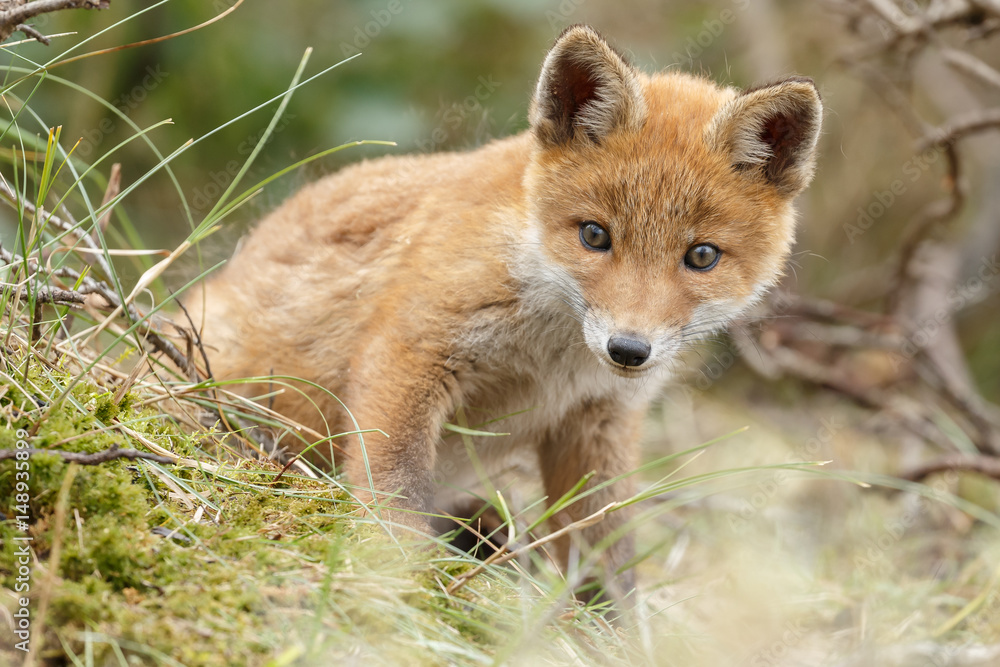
177	566
173	565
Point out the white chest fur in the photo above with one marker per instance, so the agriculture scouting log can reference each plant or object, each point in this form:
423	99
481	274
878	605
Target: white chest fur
529	372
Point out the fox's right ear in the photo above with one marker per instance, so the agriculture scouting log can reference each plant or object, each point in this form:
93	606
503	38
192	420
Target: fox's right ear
771	131
586	90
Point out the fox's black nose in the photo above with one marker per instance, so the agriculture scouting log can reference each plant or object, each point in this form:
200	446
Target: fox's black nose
628	351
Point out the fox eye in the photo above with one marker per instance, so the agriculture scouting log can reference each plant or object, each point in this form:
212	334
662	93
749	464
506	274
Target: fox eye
594	237
702	257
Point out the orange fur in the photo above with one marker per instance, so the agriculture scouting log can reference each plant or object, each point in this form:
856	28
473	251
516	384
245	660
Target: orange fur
412	286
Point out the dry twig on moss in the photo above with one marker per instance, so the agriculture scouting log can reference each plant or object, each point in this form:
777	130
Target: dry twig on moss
90	459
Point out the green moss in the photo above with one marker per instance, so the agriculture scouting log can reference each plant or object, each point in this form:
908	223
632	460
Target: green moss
184	599
106	409
267	569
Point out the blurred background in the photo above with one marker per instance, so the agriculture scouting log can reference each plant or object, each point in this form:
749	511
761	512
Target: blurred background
452	74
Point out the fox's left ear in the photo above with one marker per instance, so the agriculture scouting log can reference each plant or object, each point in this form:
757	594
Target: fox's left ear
772	131
586	91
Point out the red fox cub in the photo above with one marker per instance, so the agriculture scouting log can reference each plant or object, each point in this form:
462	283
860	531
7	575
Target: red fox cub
550	279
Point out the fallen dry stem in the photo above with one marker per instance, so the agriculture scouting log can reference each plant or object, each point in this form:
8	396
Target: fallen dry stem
173	458
112	191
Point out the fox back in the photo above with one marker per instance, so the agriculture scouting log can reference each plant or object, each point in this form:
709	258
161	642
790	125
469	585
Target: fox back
542	285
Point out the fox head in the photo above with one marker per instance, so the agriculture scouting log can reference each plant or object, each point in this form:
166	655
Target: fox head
660	206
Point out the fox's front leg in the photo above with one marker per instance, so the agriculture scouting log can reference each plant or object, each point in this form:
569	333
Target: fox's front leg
407	392
600	437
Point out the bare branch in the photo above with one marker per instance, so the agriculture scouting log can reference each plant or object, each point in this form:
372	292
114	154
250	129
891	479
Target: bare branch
961	126
986	465
56	295
968	63
13	14
890	13
988	6
902	31
982	414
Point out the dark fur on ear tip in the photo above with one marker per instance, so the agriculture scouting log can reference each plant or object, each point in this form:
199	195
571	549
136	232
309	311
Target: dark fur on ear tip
772	129
590	30
795	78
586	90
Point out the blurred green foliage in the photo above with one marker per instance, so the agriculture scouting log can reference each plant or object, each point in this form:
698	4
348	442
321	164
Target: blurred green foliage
430	76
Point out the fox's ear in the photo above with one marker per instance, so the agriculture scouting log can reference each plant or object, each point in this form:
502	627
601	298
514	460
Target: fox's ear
586	90
772	131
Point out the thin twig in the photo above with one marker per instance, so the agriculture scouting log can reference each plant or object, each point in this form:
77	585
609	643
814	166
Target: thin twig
112	191
31	32
193	336
90	285
968	63
71	227
961	126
